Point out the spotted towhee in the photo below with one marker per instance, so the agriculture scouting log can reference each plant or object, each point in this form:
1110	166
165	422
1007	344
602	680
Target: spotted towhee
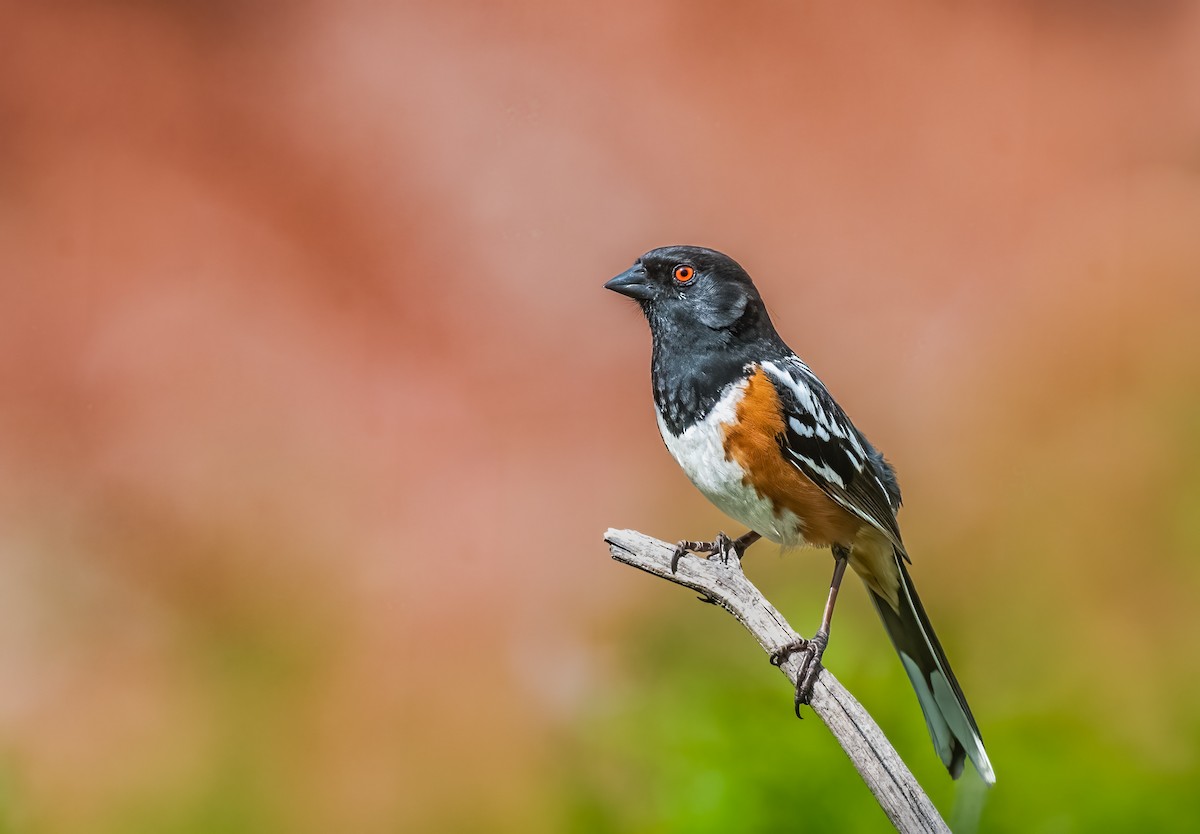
762	438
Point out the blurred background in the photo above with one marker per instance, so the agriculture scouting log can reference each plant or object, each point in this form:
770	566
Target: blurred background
313	411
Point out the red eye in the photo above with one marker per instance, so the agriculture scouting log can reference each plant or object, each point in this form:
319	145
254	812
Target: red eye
684	273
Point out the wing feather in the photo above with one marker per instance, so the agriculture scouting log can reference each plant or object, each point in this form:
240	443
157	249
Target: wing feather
822	443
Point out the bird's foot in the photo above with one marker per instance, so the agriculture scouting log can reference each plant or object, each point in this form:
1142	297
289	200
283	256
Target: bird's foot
810	664
722	547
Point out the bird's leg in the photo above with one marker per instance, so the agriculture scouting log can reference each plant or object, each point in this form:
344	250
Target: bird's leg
810	665
745	540
722	546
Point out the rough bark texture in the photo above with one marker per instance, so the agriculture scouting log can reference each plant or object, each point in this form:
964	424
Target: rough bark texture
888	778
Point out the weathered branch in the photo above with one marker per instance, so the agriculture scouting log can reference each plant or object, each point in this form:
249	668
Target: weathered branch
880	766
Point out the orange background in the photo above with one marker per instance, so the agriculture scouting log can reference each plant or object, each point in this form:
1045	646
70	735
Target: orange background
313	411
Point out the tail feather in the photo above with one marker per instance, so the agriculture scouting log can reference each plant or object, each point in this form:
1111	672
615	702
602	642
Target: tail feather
953	729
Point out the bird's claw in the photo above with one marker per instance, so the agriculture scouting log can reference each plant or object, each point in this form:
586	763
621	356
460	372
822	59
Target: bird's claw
780	656
722	547
810	665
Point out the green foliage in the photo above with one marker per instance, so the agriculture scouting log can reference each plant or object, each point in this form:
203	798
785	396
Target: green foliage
702	740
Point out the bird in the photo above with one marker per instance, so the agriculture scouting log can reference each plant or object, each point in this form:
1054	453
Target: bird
762	438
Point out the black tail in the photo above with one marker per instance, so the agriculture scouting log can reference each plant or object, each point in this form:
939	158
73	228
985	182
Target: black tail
951	725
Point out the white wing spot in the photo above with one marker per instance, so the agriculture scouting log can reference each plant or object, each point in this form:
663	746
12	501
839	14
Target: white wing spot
799	428
824	470
852	437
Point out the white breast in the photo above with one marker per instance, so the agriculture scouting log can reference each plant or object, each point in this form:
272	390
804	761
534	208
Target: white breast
700	451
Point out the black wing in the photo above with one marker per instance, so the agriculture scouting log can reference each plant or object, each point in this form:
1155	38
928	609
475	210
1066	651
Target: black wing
822	442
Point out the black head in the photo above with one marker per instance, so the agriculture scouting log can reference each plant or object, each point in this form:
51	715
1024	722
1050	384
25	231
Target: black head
690	289
707	323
